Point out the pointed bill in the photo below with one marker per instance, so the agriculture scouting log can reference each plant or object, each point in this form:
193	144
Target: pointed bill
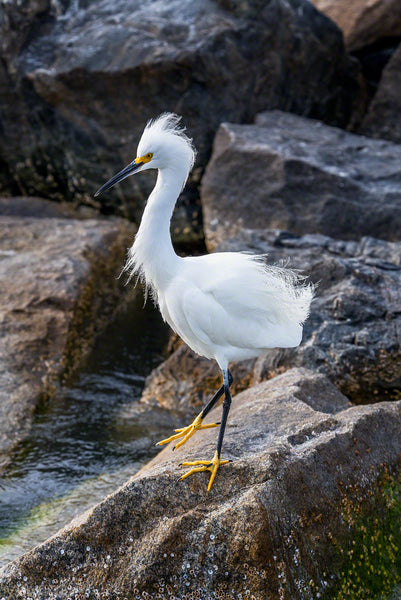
130	169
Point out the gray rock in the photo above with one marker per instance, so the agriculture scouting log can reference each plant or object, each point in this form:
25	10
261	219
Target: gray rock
382	119
31	206
79	80
272	526
58	287
293	173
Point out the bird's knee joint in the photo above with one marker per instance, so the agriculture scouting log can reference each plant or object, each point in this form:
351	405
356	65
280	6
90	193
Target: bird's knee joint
227	402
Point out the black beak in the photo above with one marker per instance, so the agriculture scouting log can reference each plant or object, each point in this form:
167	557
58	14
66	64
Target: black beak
126	172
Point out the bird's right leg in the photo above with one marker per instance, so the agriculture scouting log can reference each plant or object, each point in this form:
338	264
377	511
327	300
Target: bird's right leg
213	465
186	432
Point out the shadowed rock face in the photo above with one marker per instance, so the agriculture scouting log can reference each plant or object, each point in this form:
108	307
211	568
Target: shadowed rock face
292	173
383	117
79	80
272	524
57	287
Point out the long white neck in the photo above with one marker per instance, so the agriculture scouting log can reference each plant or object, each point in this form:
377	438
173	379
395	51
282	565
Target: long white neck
152	255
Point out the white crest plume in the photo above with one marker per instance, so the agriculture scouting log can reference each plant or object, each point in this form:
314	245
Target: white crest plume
165	132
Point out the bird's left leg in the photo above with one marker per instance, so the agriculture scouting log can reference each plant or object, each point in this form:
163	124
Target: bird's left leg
213	465
186	432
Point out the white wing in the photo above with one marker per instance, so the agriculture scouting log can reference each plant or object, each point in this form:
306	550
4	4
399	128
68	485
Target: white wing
233	300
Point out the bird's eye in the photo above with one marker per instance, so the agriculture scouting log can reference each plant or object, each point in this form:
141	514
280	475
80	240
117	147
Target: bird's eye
149	155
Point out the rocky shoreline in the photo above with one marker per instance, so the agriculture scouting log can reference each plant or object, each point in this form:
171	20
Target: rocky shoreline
299	145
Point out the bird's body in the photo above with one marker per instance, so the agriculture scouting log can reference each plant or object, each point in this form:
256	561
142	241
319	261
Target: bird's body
226	306
218	316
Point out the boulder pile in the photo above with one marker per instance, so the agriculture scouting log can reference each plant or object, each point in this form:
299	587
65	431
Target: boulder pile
78	81
299	151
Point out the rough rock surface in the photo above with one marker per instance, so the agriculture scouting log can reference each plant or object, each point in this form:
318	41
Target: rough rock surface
32	206
79	80
383	117
272	526
297	174
57	286
353	334
363	23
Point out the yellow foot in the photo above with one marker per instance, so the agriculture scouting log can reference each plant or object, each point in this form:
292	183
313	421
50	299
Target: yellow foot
211	466
186	432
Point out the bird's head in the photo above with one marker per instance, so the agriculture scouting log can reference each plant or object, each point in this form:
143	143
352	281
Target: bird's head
163	145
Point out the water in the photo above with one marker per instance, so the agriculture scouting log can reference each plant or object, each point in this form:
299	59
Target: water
81	447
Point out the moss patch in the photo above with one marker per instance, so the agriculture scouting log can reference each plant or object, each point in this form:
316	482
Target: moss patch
371	559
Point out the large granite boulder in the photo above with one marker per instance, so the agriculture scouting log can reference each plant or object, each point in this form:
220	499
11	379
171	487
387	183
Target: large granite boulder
297	174
383	117
364	23
352	335
58	288
78	81
282	521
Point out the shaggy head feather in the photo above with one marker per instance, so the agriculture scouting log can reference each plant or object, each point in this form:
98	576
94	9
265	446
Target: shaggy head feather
167	141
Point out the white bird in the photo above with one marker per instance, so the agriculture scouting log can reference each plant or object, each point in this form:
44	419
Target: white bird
226	306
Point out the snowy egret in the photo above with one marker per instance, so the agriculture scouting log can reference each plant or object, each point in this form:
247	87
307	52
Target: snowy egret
226	306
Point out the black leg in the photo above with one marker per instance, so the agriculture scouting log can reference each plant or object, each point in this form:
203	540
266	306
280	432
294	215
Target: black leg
226	409
213	465
216	397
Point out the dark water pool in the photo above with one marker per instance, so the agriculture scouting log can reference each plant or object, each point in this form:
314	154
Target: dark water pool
81	447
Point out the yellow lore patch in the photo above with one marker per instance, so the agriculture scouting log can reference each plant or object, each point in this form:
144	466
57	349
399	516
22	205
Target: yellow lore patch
144	159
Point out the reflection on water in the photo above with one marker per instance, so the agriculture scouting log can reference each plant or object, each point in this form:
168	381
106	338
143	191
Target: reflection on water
80	449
